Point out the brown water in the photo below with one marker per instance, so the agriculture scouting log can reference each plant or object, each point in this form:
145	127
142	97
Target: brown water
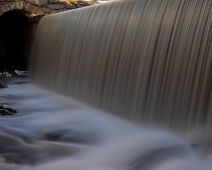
144	60
148	61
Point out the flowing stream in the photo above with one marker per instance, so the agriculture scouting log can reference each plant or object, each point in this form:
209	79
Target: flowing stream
106	82
52	132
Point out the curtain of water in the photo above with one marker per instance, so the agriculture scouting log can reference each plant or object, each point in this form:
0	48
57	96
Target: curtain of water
145	60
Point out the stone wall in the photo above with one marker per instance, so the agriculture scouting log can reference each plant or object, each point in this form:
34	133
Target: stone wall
34	10
41	7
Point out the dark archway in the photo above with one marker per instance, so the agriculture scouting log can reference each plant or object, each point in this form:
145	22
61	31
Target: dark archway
15	37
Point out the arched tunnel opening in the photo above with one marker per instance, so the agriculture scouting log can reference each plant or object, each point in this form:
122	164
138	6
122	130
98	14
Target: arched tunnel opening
16	37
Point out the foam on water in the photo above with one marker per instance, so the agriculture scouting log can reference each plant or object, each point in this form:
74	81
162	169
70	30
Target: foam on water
52	132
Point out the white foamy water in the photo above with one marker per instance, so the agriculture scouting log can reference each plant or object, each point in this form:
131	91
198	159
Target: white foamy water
51	132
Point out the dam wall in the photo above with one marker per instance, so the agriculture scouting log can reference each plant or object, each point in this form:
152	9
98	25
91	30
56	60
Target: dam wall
143	60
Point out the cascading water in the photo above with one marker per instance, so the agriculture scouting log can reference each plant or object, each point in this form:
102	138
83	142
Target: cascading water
143	60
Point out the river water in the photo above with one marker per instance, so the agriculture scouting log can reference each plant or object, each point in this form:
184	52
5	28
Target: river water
146	61
52	132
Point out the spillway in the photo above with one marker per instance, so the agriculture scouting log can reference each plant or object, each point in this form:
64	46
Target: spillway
105	82
144	60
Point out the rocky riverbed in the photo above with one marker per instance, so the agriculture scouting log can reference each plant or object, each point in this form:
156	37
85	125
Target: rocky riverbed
9	74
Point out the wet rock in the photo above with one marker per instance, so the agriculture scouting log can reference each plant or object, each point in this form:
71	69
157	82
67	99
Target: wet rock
3	86
37	2
46	9
4	111
5	74
56	6
72	136
8	72
8	158
20	73
15	155
54	135
155	157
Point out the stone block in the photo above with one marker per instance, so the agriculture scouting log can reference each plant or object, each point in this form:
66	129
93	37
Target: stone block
21	5
56	6
9	5
63	2
46	9
17	5
24	5
37	2
53	1
30	7
12	5
35	9
40	12
5	8
71	6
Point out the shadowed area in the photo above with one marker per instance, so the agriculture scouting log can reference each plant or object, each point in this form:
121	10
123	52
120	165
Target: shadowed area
14	37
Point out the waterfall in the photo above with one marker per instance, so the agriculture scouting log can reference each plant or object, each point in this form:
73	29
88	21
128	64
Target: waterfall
144	60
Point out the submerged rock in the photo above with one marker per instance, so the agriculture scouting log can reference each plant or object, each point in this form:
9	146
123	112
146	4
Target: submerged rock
6	74
4	111
21	73
3	86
